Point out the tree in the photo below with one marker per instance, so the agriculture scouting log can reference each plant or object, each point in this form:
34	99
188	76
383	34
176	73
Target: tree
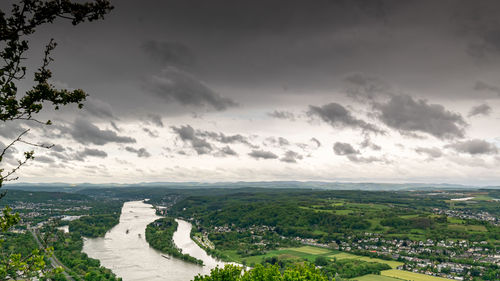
15	28
264	273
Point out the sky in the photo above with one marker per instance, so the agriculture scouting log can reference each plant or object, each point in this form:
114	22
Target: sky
229	90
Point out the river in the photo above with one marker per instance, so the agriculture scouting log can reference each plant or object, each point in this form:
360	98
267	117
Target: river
129	256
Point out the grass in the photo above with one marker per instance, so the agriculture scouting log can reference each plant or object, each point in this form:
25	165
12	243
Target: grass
407	275
455	220
343	212
306	252
462	227
483	198
393	264
311	250
373	277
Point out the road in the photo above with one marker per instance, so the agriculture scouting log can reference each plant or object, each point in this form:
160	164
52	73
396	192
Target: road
53	260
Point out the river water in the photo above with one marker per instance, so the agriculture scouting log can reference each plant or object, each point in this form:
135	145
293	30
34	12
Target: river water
129	256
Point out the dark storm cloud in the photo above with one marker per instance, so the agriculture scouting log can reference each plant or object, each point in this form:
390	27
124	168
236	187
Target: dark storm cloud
188	135
169	53
291	157
483	86
280	114
408	115
339	117
141	152
431	152
475	146
482	109
178	86
262	154
85	132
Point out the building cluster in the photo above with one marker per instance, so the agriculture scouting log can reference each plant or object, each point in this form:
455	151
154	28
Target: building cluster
468	215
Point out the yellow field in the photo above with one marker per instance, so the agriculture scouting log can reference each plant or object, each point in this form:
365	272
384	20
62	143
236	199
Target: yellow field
392	264
374	277
411	276
310	250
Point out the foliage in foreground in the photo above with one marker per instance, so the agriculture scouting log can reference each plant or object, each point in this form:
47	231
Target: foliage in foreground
264	273
15	28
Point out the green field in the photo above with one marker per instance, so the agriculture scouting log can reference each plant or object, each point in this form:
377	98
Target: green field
392	264
373	277
462	227
306	252
410	276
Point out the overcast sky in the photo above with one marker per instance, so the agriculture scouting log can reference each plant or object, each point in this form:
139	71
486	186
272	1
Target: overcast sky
225	90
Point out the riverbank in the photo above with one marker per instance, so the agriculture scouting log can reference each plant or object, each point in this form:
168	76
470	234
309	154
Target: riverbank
159	235
126	252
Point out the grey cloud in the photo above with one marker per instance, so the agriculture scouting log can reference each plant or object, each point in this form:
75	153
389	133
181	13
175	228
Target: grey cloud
44	159
291	157
482	109
11	130
226	151
98	108
151	133
475	146
346	149
279	114
362	86
431	152
483	86
223	138
58	148
92	153
338	117
188	135
175	85
169	53
115	127
156	120
262	154
406	114
342	148
280	141
316	141
367	142
141	152
87	133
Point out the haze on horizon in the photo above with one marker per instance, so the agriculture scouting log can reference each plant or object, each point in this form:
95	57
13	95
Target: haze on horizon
224	90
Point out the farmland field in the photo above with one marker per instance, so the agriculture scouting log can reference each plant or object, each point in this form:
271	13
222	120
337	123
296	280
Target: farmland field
392	264
374	277
311	250
407	275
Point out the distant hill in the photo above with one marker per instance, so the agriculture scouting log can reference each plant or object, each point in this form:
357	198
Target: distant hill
66	187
